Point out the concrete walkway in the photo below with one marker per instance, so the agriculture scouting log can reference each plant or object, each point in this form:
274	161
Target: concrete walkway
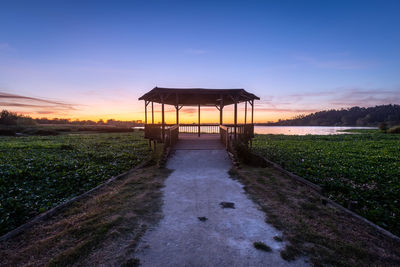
225	236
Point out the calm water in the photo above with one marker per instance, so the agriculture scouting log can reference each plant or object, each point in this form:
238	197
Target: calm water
303	130
288	130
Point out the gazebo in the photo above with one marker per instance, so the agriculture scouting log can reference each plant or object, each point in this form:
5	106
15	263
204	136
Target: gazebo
180	97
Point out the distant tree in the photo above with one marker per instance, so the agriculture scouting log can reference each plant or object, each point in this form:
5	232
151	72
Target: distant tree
8	118
11	118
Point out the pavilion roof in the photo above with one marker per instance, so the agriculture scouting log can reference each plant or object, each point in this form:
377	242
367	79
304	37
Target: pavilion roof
196	96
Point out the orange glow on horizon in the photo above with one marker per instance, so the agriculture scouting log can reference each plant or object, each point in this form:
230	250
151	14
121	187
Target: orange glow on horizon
124	106
187	115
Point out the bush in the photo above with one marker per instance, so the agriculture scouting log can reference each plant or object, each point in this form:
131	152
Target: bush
40	131
394	130
383	126
7	132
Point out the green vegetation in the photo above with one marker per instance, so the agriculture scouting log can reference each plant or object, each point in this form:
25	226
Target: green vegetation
39	172
362	131
359	171
24	130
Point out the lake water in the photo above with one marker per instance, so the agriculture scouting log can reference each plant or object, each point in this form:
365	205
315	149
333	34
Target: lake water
289	130
303	130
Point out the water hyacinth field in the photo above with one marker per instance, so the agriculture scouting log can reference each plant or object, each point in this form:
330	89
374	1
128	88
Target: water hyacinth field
360	171
39	172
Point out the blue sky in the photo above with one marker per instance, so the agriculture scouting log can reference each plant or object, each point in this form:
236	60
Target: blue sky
97	57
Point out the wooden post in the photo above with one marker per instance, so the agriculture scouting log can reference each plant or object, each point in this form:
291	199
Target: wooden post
145	112
235	120
177	114
152	112
252	111
162	119
220	110
177	109
245	112
198	131
220	115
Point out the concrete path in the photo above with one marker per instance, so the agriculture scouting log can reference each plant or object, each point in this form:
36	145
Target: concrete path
199	183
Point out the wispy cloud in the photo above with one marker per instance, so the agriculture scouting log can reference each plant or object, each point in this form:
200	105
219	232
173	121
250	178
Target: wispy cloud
194	51
289	110
34	104
366	97
309	102
334	64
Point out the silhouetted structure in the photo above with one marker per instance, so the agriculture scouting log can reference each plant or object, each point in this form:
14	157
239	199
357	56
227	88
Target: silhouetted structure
180	97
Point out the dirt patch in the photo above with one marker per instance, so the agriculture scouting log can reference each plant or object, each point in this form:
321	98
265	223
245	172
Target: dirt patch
102	228
262	246
227	205
202	219
314	228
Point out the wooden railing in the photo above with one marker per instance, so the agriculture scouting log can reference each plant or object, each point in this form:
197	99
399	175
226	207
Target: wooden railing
229	133
244	134
172	135
153	132
224	135
194	128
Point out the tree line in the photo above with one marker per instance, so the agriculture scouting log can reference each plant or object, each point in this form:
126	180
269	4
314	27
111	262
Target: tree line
12	118
355	116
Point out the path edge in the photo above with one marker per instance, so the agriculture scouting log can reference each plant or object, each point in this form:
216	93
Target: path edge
319	190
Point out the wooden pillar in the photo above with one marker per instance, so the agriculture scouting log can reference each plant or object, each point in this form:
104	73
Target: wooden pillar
220	115
177	109
245	112
221	106
252	111
198	130
162	120
145	112
235	120
177	114
152	112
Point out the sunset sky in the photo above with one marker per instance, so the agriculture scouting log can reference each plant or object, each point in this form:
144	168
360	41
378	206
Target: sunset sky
94	59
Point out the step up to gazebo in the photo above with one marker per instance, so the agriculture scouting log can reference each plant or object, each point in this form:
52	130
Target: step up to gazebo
189	141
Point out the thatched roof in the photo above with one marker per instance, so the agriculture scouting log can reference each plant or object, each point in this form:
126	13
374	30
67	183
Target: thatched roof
196	96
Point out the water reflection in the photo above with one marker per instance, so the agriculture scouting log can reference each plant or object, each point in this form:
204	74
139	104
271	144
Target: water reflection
303	130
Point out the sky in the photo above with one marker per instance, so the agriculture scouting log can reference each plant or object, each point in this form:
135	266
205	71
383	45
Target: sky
94	59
